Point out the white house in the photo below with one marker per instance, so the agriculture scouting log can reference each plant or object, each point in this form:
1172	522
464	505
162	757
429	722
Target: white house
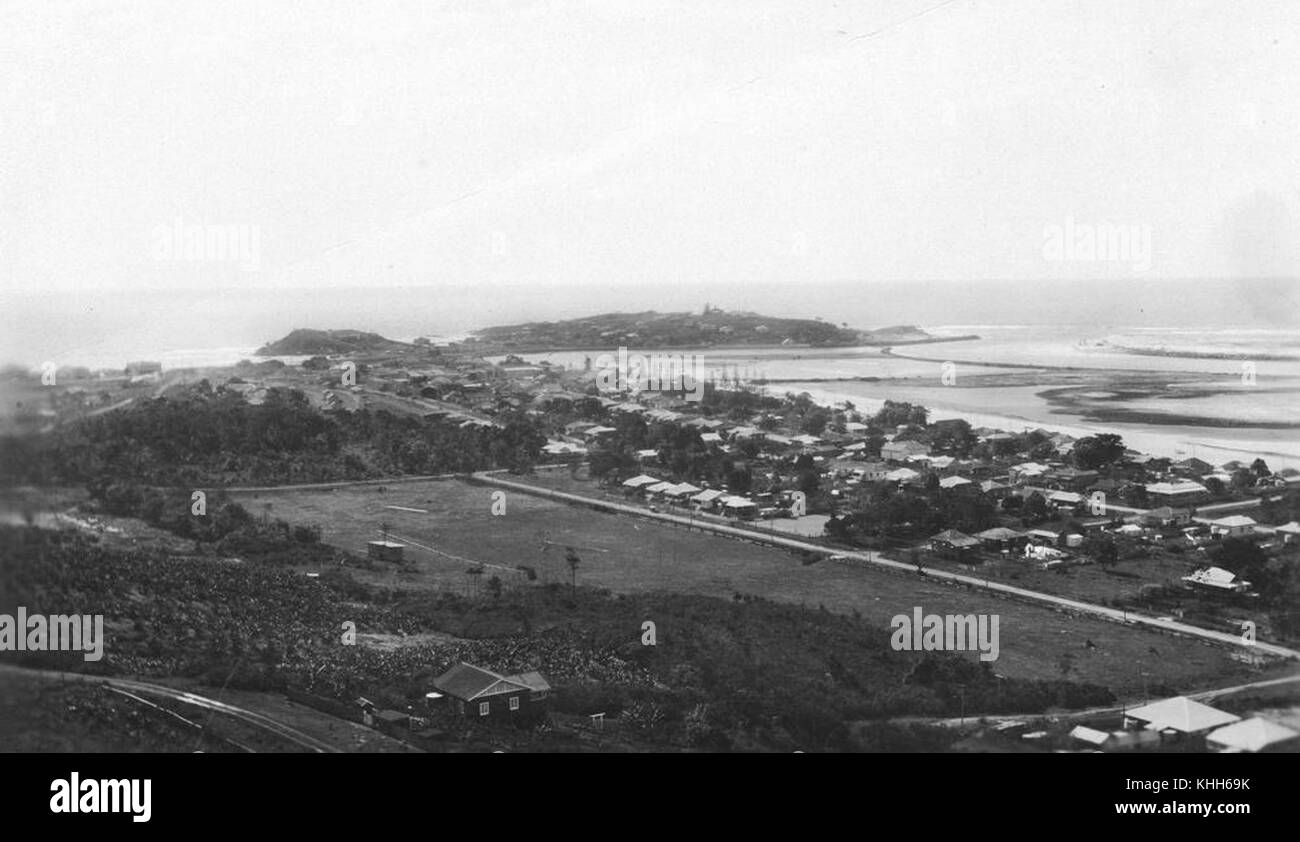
681	491
1227	527
657	488
1249	735
1180	715
901	451
1176	493
1218	579
902	475
1026	471
1064	499
1290	532
740	507
707	499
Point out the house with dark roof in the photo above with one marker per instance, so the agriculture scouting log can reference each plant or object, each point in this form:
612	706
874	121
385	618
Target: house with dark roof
476	692
901	451
1166	516
995	490
954	545
1191	467
1000	539
1069	479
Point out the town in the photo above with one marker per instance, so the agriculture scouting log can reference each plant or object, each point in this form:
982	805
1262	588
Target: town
1182	547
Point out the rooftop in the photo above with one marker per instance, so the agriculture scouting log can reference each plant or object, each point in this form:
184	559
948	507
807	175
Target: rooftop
1234	521
1182	714
1252	734
467	682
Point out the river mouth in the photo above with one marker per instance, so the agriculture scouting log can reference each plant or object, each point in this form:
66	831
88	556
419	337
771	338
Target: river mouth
1065	379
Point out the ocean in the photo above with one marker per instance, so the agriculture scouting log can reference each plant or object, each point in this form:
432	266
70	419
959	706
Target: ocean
1140	327
190	326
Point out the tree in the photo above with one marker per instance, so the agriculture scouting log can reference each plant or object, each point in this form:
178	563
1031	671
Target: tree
739	480
1093	452
1260	468
1043	451
602	463
1244	558
815	421
1035	508
1135	495
896	414
571	557
1103	549
837	528
953	436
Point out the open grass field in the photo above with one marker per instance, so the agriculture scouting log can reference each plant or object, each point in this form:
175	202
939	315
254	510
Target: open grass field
1085	582
628	555
1091	583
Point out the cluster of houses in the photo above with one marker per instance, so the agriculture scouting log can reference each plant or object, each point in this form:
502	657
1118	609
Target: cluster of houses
1089	500
1185	724
846	457
717	432
687	496
1049	545
1042	545
1172	492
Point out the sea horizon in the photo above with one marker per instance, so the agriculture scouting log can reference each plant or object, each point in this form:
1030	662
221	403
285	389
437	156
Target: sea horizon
107	329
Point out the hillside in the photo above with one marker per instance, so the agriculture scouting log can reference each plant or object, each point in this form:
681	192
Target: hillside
713	327
305	341
740	674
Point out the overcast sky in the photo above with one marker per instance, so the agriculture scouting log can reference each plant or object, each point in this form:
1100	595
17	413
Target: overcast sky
642	142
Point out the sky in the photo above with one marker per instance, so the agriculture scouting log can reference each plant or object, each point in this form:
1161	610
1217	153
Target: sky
608	143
